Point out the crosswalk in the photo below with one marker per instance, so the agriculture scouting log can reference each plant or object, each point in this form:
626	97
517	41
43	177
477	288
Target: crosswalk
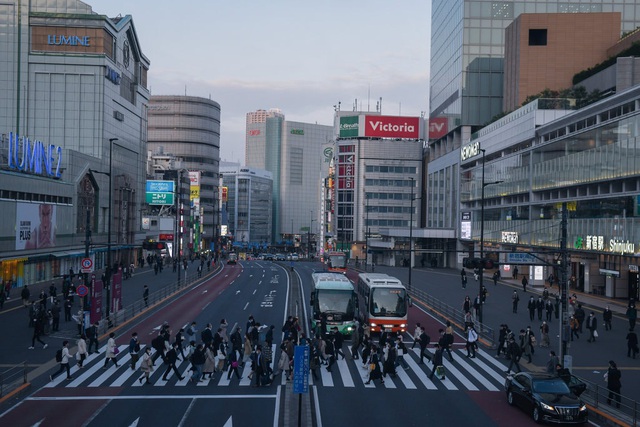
484	372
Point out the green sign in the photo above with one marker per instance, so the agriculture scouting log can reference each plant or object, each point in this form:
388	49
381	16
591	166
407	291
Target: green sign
297	131
159	198
349	127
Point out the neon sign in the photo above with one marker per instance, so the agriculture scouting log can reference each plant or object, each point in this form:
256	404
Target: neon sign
34	157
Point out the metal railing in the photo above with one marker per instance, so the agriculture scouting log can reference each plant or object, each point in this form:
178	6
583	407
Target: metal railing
13	378
138	306
444	312
597	395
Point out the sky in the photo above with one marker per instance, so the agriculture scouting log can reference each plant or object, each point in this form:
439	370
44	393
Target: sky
301	57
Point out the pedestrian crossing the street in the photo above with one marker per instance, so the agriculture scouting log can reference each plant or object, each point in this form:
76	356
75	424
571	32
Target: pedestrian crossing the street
484	372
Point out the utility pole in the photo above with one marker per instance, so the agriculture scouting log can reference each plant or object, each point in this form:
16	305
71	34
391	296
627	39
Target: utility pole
87	243
564	284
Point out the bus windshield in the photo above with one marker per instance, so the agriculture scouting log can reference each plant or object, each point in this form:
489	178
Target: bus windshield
337	261
388	302
336	302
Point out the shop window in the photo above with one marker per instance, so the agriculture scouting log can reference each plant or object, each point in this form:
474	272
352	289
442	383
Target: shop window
537	37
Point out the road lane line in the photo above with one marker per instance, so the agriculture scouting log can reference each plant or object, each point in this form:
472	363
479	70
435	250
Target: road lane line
245	306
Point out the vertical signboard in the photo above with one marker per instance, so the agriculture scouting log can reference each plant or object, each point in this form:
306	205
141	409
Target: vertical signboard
465	226
301	369
348	127
96	301
116	292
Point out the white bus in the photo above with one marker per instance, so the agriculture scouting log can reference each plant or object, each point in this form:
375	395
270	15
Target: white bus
333	296
383	302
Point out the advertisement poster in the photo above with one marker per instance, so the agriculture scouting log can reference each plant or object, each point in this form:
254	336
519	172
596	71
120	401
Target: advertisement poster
116	291
96	301
35	226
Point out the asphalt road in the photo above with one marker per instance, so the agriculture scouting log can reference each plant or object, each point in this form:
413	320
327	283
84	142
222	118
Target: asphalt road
472	391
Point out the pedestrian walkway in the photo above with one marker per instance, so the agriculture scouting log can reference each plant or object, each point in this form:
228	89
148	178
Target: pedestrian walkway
485	372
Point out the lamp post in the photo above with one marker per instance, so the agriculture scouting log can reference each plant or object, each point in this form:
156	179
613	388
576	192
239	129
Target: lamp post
108	269
480	269
411	233
367	230
309	237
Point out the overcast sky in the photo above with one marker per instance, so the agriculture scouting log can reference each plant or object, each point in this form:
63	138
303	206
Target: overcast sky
299	56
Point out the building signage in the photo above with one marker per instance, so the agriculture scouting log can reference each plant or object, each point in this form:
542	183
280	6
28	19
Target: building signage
328	154
112	75
621	247
165	237
159	198
297	131
520	258
469	151
510	237
392	127
254	132
33	157
597	243
160	186
348	127
465	226
438	127
56	40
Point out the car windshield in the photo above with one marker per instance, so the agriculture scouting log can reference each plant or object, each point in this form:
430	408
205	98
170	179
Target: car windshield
335	301
555	386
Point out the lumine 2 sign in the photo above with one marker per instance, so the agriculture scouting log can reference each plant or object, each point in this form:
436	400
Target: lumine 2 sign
34	157
57	40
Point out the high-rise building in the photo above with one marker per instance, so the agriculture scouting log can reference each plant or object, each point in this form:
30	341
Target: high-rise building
466	93
248	205
467	51
188	128
292	152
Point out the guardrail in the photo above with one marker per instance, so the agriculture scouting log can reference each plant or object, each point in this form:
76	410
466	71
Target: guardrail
12	378
445	312
138	306
597	396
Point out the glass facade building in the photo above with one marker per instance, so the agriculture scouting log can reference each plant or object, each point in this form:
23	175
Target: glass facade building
588	159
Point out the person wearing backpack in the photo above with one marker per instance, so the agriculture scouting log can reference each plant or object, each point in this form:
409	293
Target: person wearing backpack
62	357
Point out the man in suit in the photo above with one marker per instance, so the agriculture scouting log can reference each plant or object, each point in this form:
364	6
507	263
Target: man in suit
170	359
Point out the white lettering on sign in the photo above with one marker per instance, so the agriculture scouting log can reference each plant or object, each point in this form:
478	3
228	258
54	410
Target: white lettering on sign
469	151
595	243
390	127
510	237
622	247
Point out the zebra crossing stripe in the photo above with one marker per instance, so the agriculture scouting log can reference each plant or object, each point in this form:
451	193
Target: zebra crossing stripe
452	370
347	381
245	381
327	379
422	376
495	375
128	373
501	367
404	377
474	373
109	371
365	376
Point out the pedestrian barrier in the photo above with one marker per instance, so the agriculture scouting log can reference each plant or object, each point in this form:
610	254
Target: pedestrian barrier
444	312
13	378
597	396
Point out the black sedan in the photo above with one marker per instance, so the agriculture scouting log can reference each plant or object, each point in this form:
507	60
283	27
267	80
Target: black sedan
546	397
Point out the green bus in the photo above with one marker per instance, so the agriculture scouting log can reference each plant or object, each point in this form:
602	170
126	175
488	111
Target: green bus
333	296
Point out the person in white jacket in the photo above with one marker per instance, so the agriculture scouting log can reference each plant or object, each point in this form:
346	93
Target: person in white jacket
111	352
81	355
64	362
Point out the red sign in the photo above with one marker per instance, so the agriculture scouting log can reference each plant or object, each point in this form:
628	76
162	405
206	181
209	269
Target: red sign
96	301
254	132
116	291
168	237
392	127
438	127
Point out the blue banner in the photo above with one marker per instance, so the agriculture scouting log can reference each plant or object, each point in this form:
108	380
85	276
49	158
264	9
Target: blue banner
301	369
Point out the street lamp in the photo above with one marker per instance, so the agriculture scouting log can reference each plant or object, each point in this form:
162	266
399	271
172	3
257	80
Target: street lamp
309	237
480	272
108	269
411	232
367	230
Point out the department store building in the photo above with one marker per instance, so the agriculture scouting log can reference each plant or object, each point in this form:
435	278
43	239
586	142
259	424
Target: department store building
541	156
73	125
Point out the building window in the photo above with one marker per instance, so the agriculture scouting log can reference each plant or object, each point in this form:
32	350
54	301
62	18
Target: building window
537	37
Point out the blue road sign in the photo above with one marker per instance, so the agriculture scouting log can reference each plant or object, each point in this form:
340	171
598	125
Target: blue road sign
301	369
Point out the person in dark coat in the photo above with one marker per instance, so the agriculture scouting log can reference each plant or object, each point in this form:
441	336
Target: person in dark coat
592	326
613	383
632	344
607	315
424	342
437	360
170	359
374	366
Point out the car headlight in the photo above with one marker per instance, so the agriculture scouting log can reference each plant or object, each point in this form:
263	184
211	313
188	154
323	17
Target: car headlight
583	408
547	407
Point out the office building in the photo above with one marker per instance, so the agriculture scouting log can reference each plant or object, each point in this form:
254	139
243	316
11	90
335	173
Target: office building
188	128
292	152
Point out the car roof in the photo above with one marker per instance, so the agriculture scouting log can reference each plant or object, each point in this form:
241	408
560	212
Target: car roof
538	376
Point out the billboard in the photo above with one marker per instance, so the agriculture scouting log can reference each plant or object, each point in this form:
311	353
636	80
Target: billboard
438	127
392	127
349	127
35	226
159	192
